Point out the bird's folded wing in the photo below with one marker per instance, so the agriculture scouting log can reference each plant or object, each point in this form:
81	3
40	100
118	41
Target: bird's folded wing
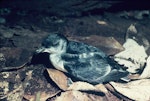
88	69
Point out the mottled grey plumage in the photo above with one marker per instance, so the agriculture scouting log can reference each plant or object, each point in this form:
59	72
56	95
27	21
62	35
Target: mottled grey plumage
84	62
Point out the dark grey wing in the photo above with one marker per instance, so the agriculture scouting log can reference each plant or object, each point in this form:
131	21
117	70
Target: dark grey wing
91	69
78	47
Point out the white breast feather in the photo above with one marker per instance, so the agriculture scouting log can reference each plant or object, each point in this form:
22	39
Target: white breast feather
57	62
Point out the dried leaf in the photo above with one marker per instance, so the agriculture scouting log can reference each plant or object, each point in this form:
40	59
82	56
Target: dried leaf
81	86
108	44
72	96
146	72
137	90
15	56
112	90
133	57
131	29
40	96
93	97
101	88
84	86
59	78
29	97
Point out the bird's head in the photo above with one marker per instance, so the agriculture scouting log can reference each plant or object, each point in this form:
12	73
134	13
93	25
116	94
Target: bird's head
54	43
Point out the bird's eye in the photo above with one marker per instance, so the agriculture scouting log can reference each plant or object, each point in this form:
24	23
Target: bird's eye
46	44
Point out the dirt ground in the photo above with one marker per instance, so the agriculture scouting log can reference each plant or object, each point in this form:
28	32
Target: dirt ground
20	36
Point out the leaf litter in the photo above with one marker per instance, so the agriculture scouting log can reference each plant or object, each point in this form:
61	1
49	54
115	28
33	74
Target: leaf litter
75	91
59	78
135	61
138	90
133	57
108	44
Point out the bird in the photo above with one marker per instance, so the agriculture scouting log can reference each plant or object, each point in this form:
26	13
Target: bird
82	61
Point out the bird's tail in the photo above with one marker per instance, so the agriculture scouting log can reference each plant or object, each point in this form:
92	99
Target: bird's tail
115	65
118	71
126	79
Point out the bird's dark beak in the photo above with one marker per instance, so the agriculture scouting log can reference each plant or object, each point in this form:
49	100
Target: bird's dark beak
42	50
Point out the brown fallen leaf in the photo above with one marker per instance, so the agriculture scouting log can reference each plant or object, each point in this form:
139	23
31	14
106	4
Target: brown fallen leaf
101	88
136	90
108	44
59	78
112	92
15	56
62	82
72	96
83	86
93	97
39	96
